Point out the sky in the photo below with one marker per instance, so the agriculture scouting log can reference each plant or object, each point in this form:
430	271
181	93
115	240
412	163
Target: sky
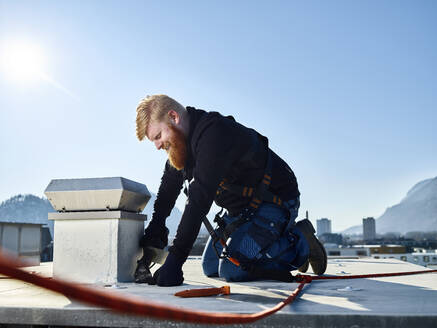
344	90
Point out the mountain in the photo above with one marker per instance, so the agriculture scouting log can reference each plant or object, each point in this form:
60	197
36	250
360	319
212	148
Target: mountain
26	208
417	211
354	230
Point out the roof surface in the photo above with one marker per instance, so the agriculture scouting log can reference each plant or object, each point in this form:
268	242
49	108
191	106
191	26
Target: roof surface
404	301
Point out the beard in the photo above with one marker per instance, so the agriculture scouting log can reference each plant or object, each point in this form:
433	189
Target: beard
176	148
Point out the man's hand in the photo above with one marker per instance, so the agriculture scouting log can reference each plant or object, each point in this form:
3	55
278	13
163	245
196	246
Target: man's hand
170	273
155	236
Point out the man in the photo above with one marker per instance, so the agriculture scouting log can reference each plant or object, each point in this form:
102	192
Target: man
225	162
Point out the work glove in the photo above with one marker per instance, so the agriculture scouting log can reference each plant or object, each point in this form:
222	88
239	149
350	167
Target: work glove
155	235
170	273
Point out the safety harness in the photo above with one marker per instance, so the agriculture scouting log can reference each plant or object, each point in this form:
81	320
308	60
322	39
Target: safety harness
258	196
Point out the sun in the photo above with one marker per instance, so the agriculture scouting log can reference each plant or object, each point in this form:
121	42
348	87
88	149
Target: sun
26	62
22	61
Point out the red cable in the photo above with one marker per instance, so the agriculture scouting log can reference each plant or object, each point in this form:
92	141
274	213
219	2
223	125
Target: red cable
307	278
134	305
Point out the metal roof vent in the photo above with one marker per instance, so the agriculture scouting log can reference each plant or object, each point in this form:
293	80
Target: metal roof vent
97	194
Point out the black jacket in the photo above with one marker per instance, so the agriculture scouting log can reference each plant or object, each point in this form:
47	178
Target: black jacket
218	147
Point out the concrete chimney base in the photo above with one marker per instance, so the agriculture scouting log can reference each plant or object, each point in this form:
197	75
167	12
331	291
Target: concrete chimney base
99	247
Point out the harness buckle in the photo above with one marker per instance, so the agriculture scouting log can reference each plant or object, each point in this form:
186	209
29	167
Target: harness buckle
218	218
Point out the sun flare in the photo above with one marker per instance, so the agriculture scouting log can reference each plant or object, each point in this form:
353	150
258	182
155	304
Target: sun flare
23	62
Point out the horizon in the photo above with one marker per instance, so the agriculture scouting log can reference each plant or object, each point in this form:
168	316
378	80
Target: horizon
343	90
398	234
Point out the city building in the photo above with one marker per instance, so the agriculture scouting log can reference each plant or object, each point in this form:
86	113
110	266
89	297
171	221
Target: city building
369	229
363	250
323	226
334	250
423	258
385	249
331	238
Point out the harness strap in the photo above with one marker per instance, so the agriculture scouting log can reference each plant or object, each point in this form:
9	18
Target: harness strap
264	185
236	189
260	194
231	227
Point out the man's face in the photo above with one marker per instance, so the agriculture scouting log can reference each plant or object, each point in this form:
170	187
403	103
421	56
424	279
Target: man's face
168	137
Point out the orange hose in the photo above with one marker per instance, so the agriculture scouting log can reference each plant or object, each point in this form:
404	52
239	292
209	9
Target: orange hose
134	305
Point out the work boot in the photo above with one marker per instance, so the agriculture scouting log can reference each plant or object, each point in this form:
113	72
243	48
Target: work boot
304	267
317	258
142	273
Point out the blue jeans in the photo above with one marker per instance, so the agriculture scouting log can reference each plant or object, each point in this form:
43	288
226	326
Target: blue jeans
213	266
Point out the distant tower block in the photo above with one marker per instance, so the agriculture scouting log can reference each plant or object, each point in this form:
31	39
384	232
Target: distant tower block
97	228
369	229
323	226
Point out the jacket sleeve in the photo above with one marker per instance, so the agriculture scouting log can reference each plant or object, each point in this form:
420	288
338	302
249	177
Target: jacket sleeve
168	192
215	151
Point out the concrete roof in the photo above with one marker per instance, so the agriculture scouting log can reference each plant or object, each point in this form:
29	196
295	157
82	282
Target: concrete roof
405	301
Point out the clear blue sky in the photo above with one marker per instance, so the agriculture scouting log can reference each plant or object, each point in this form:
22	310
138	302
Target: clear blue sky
345	91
